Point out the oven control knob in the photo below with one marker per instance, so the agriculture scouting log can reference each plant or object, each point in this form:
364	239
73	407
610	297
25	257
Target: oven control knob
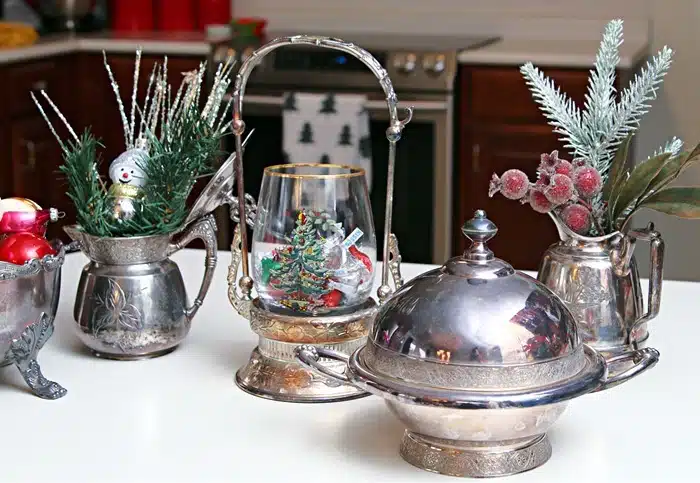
434	64
406	64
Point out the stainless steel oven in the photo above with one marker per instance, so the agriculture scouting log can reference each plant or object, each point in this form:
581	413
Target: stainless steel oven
422	71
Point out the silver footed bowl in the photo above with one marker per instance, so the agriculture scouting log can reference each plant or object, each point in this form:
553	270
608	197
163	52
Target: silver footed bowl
29	296
478	361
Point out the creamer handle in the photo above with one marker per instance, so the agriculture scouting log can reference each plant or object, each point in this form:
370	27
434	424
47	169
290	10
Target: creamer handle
656	262
204	229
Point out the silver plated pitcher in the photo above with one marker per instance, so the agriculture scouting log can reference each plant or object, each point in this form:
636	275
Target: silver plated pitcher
598	279
131	301
29	297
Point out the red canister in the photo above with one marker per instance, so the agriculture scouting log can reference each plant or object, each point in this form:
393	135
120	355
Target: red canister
176	15
213	12
132	15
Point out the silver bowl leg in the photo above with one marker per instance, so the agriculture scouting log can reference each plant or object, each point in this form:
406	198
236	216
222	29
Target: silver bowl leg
23	353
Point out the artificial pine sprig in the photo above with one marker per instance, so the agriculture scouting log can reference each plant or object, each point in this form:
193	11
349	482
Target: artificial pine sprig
595	134
597	193
182	142
85	187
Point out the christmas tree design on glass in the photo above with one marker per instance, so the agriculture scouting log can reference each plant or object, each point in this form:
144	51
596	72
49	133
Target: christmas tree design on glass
307	135
299	269
310	274
345	138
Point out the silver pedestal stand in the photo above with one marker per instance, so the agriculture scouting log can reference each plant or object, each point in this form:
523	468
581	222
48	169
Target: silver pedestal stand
273	371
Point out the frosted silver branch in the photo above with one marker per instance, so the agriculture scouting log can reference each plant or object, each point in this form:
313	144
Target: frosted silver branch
600	98
596	133
673	146
144	111
134	91
634	102
48	122
559	109
115	88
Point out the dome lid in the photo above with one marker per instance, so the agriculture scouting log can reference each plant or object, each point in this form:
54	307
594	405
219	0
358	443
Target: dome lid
475	310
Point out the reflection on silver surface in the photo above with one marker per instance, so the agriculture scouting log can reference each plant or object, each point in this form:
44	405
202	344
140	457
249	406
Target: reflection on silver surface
478	361
476	309
598	280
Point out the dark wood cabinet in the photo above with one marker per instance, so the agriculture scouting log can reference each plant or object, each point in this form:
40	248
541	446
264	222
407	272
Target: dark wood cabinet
30	156
501	127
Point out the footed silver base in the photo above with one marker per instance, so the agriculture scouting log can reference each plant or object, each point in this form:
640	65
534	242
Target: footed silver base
273	373
460	458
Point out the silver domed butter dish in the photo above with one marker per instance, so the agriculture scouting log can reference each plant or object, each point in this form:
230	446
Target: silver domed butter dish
478	361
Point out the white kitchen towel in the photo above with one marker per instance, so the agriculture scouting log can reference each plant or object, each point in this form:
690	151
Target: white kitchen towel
327	128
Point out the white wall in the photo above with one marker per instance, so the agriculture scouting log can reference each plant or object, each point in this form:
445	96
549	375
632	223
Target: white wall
512	17
672	22
676	112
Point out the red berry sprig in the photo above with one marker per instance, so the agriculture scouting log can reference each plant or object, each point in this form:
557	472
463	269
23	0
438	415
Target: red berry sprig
567	188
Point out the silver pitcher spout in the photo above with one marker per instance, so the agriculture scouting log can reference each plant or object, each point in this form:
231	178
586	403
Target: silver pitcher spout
598	279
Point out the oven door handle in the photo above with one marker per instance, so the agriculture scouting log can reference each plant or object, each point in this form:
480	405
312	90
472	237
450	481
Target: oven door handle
370	105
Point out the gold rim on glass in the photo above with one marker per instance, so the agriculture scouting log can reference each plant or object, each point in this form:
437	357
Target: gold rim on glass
355	171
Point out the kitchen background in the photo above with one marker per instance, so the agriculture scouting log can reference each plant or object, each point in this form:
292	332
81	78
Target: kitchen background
492	123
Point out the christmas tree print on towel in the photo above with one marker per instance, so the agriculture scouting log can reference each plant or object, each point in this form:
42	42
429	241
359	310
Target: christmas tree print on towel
345	138
325	159
290	102
366	147
306	136
299	269
328	105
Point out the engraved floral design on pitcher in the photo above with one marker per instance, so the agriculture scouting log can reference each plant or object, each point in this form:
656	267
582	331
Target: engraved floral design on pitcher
114	309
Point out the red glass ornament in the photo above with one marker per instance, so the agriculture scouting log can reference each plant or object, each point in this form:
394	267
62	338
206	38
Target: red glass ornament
27	221
332	298
19	248
213	12
132	15
175	15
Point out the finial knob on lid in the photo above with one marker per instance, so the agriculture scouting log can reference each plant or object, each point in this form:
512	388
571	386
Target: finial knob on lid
479	230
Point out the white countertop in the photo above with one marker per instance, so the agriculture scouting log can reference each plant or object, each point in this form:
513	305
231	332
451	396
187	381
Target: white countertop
550	53
181	417
508	51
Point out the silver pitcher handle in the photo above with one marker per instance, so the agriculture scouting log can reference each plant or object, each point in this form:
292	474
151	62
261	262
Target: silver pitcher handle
393	132
643	359
309	356
204	229
656	261
241	302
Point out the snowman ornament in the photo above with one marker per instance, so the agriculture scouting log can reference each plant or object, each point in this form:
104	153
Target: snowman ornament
128	179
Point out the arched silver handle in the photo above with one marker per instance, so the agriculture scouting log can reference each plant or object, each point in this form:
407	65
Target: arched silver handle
393	133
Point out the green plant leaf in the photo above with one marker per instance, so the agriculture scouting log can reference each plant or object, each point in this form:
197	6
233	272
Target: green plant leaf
617	167
637	184
680	202
673	168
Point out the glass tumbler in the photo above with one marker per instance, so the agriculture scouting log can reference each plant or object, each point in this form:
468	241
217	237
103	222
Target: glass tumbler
314	248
